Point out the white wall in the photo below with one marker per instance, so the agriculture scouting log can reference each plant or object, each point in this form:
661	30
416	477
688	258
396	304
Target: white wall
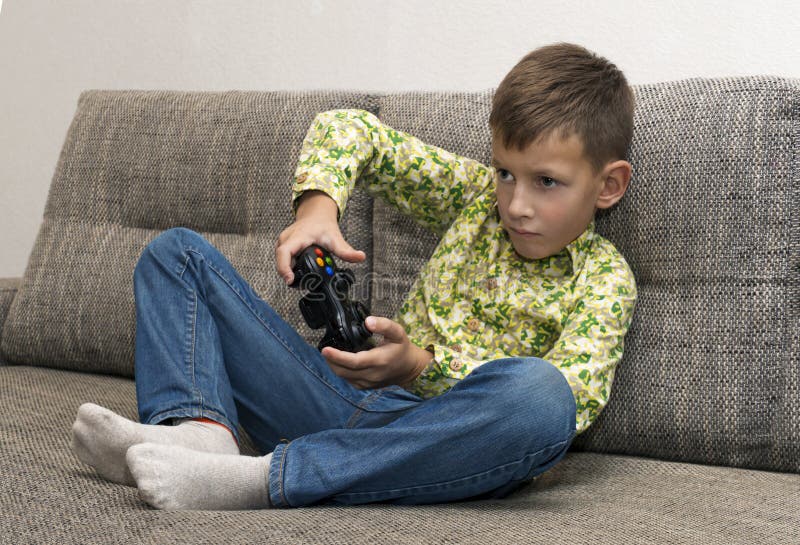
51	50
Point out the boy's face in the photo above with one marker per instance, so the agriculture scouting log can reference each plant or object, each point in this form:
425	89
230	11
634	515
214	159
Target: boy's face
549	190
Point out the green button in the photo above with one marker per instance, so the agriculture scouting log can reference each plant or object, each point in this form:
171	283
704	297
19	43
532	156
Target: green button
328	261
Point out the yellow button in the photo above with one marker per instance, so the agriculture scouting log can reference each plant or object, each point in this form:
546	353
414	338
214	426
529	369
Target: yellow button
455	364
474	324
320	262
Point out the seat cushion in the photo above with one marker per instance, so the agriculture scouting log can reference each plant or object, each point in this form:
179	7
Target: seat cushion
135	163
49	496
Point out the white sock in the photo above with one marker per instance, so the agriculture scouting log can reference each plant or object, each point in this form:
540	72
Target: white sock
173	477
101	438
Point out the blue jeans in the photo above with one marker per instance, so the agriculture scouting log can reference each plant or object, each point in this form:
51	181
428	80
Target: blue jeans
208	346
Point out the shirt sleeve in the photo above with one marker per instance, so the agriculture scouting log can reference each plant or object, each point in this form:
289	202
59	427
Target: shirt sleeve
444	371
448	365
425	182
592	339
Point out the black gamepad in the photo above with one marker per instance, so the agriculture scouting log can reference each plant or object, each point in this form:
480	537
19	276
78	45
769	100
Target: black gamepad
327	304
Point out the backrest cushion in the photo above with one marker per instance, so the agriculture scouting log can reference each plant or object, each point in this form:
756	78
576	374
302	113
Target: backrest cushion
710	372
135	163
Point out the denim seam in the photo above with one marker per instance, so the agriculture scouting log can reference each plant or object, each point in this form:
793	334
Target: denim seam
353	419
280	474
192	337
360	409
266	326
438	486
266	482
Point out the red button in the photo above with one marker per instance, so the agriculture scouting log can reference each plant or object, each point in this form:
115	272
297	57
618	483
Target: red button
318	252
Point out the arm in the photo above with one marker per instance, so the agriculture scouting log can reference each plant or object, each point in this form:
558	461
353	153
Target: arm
428	183
591	343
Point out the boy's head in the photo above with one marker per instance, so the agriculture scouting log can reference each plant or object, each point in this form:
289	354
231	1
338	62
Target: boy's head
562	122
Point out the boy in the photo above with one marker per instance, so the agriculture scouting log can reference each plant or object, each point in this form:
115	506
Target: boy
518	317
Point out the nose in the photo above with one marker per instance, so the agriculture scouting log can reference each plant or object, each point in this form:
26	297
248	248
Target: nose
521	205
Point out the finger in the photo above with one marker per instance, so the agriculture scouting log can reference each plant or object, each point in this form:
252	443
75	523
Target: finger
283	258
346	373
284	254
391	330
346	360
343	250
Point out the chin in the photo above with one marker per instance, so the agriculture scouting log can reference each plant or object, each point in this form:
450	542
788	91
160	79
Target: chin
528	254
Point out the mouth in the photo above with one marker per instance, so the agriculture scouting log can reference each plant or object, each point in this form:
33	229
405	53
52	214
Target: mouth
524	233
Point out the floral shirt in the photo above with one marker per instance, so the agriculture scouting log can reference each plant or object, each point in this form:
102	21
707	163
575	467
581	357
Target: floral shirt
476	299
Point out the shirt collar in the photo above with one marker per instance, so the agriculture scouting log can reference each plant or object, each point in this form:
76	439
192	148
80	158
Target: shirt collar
576	252
579	248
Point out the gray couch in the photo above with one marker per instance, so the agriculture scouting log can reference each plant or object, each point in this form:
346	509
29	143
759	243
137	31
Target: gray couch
700	442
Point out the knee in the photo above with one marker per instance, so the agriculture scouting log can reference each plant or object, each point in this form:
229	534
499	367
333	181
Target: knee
535	393
168	247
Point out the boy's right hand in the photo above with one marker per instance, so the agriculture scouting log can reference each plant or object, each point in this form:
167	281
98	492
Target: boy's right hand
315	223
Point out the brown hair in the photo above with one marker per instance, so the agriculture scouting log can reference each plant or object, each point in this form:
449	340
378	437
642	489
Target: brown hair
565	89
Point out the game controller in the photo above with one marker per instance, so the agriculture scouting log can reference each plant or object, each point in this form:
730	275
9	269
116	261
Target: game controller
327	304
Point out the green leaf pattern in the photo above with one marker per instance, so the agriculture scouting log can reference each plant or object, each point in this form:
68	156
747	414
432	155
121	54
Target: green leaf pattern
476	300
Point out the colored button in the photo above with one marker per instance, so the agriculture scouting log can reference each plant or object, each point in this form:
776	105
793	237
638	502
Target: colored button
318	252
474	324
328	261
455	364
455	347
320	262
302	178
491	283
329	271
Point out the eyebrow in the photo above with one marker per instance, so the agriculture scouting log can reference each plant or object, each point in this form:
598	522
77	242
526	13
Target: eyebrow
544	171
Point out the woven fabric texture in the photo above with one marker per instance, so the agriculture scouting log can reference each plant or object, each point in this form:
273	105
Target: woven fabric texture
137	162
711	372
50	497
8	289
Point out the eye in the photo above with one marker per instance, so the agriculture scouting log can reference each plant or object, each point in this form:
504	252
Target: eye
548	182
500	172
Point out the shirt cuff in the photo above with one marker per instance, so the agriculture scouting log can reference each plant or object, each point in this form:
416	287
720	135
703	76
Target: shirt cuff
445	370
320	179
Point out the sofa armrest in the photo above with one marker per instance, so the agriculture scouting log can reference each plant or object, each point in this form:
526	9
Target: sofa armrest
8	289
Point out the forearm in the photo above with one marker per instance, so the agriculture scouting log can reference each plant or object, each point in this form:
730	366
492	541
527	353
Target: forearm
316	202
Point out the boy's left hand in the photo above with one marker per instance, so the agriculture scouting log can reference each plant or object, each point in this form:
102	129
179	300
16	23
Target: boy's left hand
394	361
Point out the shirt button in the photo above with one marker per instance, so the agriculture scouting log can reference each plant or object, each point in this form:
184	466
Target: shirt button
456	348
474	324
491	283
302	178
455	364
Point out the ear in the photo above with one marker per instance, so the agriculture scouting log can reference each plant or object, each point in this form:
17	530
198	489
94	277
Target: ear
615	179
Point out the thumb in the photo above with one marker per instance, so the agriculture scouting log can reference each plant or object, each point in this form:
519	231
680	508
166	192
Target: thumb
391	330
343	250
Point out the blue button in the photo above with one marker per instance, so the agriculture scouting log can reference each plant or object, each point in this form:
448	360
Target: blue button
329	271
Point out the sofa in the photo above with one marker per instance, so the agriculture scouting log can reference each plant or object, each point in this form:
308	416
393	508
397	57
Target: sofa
700	439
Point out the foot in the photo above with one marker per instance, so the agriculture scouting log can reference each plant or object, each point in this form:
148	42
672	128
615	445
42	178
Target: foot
101	437
177	478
